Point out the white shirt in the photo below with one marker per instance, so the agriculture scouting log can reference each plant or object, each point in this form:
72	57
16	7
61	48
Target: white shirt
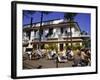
72	54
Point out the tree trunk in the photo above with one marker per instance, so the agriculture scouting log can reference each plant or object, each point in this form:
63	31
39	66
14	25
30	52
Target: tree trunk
40	30
30	27
71	34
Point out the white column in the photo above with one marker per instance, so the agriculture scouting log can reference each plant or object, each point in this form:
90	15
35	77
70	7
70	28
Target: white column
32	35
58	47
80	43
69	44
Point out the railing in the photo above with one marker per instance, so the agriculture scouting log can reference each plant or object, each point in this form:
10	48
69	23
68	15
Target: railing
84	35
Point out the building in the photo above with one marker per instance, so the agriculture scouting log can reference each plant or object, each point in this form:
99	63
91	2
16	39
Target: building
60	32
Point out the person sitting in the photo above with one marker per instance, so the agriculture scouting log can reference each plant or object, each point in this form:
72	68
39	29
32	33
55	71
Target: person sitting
37	54
84	58
88	53
69	54
62	59
52	54
29	50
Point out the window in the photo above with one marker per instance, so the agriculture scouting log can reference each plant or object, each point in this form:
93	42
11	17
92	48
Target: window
61	30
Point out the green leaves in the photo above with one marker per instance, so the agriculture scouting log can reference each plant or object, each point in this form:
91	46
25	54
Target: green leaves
70	16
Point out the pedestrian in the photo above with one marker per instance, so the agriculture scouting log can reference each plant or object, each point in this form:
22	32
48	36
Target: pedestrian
77	58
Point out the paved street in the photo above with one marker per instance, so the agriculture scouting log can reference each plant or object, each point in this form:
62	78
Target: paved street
44	63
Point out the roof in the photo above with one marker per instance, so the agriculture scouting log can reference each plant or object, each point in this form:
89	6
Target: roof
60	24
43	21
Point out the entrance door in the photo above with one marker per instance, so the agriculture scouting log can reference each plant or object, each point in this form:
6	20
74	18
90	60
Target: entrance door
61	47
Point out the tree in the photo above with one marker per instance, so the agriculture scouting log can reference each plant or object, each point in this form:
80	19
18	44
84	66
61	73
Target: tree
29	14
40	30
84	33
86	40
70	17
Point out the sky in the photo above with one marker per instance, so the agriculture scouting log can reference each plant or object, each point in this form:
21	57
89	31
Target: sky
83	19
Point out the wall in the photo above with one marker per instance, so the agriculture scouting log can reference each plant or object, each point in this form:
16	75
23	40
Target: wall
5	40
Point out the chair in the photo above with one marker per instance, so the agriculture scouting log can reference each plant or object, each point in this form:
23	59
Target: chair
62	59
